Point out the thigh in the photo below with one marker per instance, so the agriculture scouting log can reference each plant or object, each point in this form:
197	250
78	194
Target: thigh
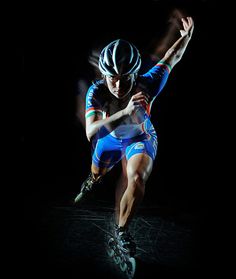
140	155
139	166
147	145
106	152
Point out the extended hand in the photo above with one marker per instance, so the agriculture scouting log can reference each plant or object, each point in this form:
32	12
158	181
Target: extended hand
138	100
188	26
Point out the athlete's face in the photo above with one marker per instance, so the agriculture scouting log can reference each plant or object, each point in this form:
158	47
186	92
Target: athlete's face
120	86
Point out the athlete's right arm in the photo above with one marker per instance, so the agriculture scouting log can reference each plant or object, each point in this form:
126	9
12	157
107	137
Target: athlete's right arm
95	122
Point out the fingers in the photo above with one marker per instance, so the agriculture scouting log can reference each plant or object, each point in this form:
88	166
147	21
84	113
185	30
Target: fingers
190	20
141	97
187	23
137	101
191	23
141	93
141	100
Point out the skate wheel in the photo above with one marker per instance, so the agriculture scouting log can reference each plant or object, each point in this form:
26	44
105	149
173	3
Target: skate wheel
117	259
110	252
123	266
131	267
111	242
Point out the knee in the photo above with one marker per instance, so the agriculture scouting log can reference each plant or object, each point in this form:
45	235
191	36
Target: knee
136	181
137	176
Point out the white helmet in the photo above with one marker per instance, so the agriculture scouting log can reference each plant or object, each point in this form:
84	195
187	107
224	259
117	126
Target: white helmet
119	58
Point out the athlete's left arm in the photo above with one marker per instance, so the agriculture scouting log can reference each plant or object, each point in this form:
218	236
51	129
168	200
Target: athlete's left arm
176	51
156	78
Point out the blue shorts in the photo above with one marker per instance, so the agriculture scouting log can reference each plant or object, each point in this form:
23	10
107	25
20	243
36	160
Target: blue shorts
108	151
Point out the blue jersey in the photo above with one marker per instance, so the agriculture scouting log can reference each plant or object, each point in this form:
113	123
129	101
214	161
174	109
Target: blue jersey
99	100
136	133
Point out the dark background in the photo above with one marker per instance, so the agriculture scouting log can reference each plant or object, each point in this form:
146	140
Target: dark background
56	57
52	141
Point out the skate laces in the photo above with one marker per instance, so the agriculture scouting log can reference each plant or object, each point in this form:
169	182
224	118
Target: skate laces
125	237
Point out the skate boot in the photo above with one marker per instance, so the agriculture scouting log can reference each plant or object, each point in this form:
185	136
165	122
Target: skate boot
86	188
122	248
125	241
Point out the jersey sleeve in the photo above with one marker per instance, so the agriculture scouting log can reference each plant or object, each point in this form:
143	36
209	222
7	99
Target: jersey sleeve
92	104
156	78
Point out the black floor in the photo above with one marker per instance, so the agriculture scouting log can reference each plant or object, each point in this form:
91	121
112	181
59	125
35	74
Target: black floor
63	238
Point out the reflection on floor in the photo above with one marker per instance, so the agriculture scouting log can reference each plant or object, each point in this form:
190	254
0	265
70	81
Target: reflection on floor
73	239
